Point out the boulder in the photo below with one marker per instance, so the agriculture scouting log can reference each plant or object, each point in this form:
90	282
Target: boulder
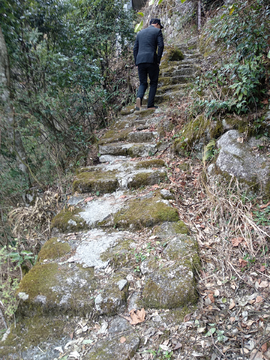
243	159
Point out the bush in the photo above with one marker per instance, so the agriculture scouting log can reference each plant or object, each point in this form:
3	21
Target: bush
237	83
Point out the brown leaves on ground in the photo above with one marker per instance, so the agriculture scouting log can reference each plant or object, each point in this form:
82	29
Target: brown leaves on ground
136	316
243	263
236	241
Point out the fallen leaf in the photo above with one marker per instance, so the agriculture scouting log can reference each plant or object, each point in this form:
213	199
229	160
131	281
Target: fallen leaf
164	347
255	355
262	269
259	299
211	297
88	199
201	330
236	241
177	346
137	316
264	284
226	348
243	263
187	317
232	304
264	348
122	340
249	323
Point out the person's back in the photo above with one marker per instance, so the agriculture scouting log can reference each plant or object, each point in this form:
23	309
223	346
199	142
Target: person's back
147	45
147	59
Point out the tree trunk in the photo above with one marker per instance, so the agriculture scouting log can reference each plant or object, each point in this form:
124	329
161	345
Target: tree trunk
6	110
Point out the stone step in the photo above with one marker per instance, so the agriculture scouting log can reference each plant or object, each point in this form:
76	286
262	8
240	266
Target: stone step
129	135
119	175
174	95
171	88
181	80
128	149
179	71
71	274
142	136
190	46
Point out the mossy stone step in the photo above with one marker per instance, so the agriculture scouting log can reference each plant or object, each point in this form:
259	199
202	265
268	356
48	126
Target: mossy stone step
169	80
142	136
142	212
128	149
167	97
170	88
179	71
125	177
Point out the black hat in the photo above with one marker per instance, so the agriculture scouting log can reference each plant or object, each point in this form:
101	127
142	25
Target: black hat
156	21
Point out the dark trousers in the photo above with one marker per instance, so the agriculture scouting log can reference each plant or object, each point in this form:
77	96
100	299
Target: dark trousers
153	71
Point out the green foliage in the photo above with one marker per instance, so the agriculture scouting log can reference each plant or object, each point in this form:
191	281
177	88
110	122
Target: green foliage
238	82
209	151
66	76
14	262
161	354
262	216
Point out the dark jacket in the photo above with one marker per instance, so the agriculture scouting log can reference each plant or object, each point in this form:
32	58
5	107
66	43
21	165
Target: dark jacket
146	44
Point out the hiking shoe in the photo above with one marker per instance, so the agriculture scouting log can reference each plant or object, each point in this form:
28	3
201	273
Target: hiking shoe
152	107
138	104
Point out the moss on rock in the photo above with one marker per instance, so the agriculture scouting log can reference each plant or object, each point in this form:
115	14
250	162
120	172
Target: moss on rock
128	110
53	249
104	182
144	112
172	53
180	227
145	213
147	178
180	291
153	163
38	281
109	349
114	135
34	330
69	220
119	255
113	297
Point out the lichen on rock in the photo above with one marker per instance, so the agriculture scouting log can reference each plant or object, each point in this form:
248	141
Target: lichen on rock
109	349
113	297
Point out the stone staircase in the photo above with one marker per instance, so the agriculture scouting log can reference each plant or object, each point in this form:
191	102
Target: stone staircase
177	75
117	248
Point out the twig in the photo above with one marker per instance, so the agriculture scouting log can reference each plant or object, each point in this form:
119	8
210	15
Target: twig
236	271
2	315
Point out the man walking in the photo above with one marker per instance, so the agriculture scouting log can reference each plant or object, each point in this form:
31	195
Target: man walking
148	59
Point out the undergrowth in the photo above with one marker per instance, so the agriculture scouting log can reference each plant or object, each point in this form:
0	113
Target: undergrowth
238	41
